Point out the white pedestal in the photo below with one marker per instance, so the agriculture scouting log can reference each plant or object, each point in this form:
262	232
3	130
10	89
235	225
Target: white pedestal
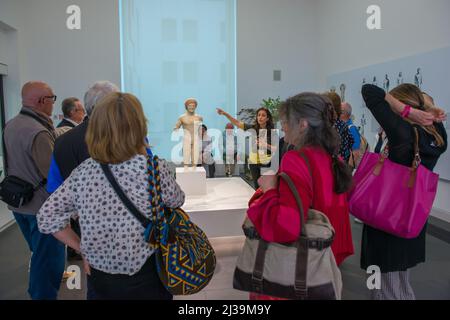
221	212
192	180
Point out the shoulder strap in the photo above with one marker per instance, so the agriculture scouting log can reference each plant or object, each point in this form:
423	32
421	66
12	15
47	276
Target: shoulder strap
35	117
50	129
127	202
5	155
294	191
298	200
417	160
303	155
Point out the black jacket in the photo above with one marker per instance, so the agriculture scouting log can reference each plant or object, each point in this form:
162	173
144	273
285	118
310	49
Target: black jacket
71	149
65	123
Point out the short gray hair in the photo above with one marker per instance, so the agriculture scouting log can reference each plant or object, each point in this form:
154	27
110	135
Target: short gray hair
96	92
347	108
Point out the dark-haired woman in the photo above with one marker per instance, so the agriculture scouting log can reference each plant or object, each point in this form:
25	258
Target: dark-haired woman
307	120
263	134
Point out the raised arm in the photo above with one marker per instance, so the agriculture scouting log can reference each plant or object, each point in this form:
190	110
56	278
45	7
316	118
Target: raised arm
397	129
234	121
420	117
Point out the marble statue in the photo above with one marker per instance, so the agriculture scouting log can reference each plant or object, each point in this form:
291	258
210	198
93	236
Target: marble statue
190	122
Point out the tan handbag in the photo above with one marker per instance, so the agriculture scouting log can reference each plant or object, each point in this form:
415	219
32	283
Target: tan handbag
304	269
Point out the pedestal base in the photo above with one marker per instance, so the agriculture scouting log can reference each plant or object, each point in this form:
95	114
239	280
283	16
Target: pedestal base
221	212
192	180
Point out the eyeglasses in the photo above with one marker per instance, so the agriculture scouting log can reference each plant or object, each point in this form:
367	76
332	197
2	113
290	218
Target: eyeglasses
49	97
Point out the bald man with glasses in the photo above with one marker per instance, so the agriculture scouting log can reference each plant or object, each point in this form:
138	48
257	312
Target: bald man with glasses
29	140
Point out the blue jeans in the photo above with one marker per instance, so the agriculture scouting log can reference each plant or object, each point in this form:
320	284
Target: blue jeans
47	259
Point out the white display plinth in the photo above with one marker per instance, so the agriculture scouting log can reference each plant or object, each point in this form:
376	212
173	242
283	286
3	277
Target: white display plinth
221	212
192	180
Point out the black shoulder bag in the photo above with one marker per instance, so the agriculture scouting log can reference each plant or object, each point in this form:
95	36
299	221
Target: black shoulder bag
15	191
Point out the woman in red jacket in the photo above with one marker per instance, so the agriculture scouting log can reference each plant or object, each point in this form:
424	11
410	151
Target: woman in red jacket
307	120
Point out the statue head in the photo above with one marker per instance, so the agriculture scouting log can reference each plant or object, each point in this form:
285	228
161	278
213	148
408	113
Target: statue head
190	105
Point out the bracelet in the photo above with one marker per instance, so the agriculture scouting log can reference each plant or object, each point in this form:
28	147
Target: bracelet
406	111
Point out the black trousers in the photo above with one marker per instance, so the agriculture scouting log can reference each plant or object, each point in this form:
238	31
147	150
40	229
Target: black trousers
144	285
255	170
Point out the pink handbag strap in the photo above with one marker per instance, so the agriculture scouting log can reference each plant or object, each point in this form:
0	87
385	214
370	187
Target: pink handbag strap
415	164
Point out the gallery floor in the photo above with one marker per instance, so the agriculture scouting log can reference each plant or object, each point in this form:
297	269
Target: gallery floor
430	280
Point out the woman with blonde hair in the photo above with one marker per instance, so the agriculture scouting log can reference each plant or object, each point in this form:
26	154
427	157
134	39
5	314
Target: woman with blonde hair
118	262
398	113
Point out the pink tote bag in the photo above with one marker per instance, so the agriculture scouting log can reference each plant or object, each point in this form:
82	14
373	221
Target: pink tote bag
391	197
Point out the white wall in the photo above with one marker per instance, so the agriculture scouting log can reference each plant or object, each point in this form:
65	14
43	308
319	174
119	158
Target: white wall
11	12
11	16
270	35
68	60
36	45
409	27
307	40
275	35
9	55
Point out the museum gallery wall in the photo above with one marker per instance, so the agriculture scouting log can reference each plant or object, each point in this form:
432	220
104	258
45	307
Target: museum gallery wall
430	71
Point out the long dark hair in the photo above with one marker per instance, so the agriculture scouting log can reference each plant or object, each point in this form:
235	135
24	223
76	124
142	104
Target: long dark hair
318	111
269	125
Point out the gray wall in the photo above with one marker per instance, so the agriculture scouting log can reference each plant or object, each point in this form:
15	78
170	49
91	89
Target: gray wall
306	39
409	27
275	35
11	16
9	52
68	60
270	35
